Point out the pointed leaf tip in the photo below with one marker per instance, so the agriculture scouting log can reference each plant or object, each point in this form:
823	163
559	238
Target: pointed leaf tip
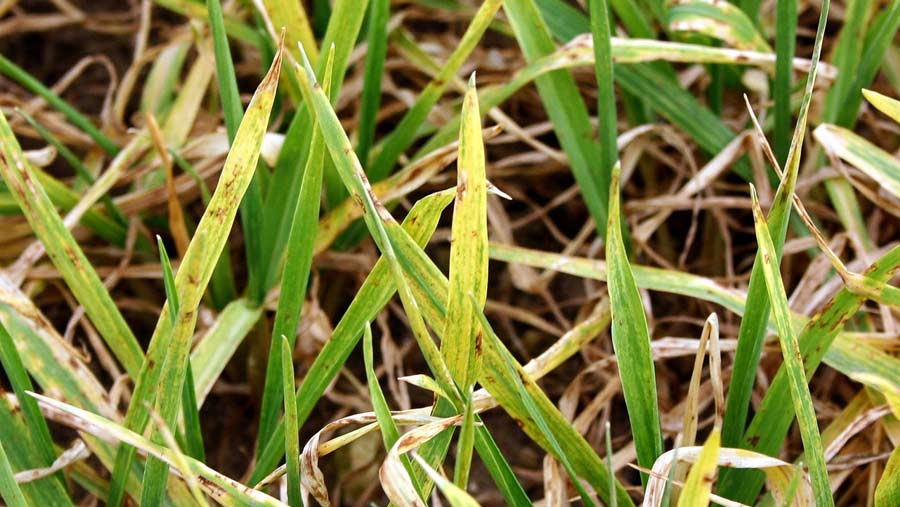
306	65
613	215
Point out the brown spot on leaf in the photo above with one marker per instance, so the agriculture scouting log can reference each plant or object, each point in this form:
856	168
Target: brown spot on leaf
461	186
70	253
359	202
210	485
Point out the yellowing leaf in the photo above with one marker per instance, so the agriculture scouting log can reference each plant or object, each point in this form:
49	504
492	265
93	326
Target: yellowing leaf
461	341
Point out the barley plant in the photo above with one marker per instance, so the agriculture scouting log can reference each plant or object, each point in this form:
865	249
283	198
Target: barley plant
449	252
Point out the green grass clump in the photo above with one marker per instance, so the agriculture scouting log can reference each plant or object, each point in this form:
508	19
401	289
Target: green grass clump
539	347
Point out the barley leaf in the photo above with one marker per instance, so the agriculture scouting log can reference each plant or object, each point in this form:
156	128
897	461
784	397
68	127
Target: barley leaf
698	485
468	251
790	348
163	371
631	340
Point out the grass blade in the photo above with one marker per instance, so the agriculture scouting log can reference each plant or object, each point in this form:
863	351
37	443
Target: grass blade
344	25
753	325
533	411
193	435
465	446
21	383
219	344
370	99
816	339
631	340
378	220
428	282
198	265
75	163
847	55
883	103
719	20
803	407
252	204
168	280
65	253
785	46
387	234
291	426
12	495
297	264
217	486
859	53
497	466
228	90
156	97
565	107
66	199
19	75
404	133
456	495
698	486
374	294
468	250
292	16
170	387
876	163
614	500
163	371
343	29
606	94
887	492
389	432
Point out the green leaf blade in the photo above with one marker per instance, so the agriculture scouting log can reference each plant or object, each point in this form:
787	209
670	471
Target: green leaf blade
802	400
631	340
164	370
